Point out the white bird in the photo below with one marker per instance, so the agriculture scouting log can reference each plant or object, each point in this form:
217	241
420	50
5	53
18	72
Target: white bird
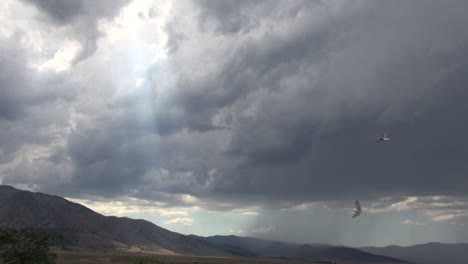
358	210
382	138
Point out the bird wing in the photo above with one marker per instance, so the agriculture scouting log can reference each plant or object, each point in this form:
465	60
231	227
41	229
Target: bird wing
356	213
358	210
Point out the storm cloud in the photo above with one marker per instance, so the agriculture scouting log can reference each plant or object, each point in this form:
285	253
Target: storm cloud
80	18
247	104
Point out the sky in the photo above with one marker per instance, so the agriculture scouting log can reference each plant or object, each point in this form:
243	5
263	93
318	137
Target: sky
250	118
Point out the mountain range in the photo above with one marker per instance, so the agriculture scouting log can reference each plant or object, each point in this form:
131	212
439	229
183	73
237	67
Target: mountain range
84	229
429	253
256	247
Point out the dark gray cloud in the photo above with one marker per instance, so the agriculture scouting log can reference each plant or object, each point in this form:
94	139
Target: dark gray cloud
303	106
268	103
226	18
32	104
21	86
12	64
82	16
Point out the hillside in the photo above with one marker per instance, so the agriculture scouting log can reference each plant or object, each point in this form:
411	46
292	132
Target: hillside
86	229
274	249
430	253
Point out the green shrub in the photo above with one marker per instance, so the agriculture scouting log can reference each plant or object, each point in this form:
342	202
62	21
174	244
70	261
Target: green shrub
25	246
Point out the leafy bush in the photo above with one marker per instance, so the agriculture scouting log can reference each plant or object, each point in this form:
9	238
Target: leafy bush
137	260
25	246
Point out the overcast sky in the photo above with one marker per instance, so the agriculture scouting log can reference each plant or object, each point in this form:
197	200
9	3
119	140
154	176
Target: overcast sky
253	118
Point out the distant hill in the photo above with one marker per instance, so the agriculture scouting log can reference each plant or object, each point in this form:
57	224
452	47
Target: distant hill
273	249
83	228
430	253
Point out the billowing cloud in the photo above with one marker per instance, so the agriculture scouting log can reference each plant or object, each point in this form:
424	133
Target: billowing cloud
180	221
440	208
235	231
80	20
265	229
271	100
130	206
250	213
410	222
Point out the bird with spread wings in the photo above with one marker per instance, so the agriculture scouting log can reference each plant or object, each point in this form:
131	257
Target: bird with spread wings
358	210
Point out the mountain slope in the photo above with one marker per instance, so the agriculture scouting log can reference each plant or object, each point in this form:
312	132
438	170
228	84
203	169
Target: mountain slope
275	249
84	228
430	253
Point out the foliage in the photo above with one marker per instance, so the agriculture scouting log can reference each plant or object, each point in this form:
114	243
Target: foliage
147	261
137	260
25	246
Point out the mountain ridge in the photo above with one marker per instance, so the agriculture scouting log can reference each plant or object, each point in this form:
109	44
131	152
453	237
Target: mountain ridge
81	227
427	253
276	249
